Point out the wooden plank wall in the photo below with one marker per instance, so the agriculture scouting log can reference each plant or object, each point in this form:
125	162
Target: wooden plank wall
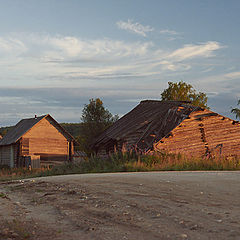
197	136
5	155
45	140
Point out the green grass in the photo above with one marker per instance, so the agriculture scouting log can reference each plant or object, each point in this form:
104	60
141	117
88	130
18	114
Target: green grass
3	195
128	162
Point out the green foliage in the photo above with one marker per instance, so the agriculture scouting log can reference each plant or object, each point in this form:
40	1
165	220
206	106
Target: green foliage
182	91
4	130
236	111
95	119
75	129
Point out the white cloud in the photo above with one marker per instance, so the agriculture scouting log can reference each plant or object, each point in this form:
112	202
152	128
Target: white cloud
72	47
170	35
173	66
56	60
177	60
233	75
190	51
11	45
135	27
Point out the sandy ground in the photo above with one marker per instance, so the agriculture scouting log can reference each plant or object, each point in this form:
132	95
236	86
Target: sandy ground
157	205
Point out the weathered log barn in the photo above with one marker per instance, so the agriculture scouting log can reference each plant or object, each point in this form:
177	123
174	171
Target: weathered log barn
172	126
39	136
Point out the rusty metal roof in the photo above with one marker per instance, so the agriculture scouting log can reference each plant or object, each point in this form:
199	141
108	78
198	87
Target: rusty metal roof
150	121
25	125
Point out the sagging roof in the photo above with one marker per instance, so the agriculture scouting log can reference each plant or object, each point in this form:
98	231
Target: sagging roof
25	125
151	120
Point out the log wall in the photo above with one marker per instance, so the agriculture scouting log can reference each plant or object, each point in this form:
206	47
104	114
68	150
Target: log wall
45	140
199	136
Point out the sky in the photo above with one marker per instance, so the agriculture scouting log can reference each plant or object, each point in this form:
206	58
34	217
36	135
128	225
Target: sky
55	55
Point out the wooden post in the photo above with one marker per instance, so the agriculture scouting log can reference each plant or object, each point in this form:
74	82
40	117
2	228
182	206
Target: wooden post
11	156
70	151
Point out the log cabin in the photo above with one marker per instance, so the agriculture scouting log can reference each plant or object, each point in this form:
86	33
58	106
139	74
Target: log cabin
171	126
40	138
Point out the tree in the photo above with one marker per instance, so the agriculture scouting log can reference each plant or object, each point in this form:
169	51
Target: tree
95	119
182	91
236	111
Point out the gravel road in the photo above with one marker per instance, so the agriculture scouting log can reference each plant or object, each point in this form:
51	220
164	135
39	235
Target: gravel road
151	205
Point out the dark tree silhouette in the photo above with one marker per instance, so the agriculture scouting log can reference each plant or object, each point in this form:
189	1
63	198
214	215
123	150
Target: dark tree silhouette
95	119
236	111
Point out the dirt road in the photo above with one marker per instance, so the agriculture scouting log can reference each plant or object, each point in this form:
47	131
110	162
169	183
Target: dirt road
157	205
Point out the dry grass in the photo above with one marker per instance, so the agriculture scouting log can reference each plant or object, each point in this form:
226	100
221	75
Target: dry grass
127	162
177	162
7	173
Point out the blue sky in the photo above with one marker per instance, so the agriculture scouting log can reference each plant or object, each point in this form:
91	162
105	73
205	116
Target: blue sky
56	55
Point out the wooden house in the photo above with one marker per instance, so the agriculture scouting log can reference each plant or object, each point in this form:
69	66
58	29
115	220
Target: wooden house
172	126
40	137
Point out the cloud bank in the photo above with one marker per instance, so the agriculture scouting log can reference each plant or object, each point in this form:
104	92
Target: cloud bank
58	74
61	58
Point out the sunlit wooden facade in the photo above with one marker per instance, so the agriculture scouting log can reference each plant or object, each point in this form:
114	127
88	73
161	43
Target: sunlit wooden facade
39	136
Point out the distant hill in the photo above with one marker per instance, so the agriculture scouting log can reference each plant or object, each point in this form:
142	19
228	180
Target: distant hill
73	128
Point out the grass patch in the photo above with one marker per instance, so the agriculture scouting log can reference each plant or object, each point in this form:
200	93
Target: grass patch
128	162
3	195
15	229
177	162
8	174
